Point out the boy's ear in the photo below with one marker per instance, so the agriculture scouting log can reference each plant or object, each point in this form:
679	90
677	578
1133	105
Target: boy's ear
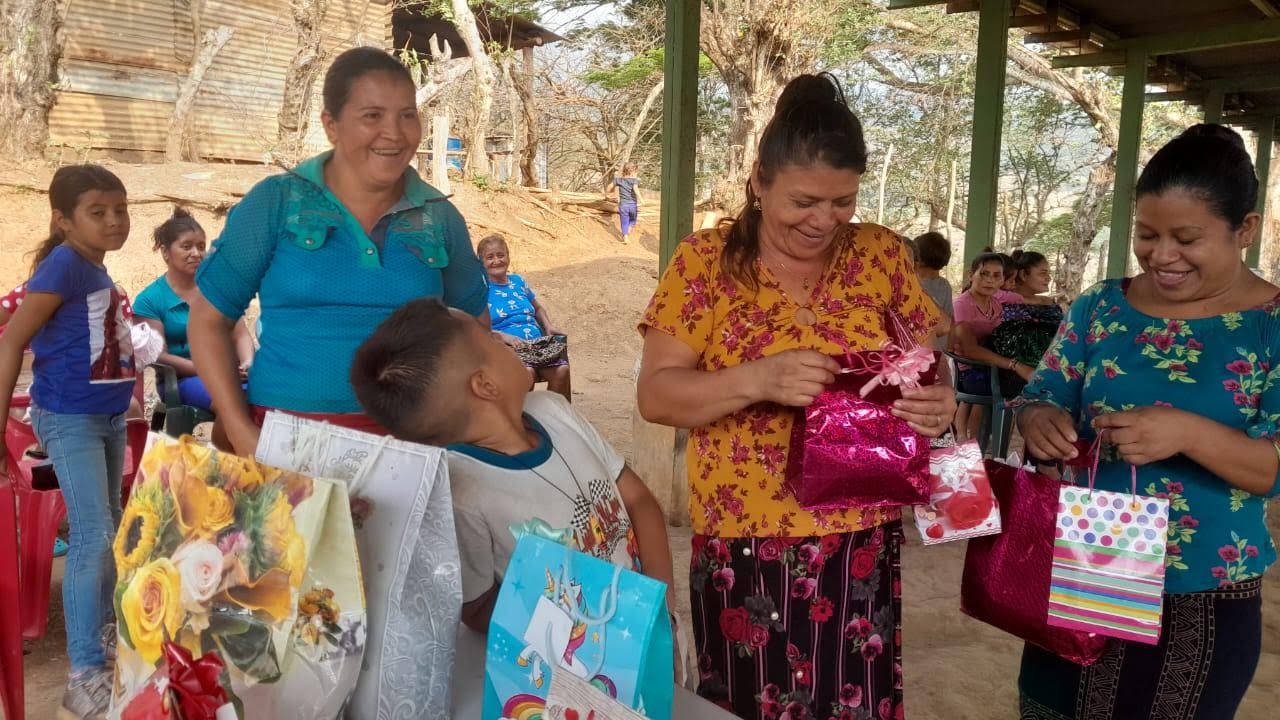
482	385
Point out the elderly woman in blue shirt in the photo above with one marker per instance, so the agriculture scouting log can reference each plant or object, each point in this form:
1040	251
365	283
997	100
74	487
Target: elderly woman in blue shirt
331	248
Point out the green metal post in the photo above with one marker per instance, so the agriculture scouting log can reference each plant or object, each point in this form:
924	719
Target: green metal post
1213	105
988	114
679	125
1131	107
1266	136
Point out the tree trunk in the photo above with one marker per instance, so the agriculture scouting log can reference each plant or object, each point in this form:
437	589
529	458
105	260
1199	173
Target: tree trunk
1084	226
637	127
179	144
528	156
482	66
300	78
30	47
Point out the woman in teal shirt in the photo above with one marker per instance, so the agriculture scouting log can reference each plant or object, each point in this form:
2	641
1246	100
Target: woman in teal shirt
1179	369
330	248
165	305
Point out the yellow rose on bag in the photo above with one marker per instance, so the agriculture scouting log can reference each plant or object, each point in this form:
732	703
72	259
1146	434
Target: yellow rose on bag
201	510
151	607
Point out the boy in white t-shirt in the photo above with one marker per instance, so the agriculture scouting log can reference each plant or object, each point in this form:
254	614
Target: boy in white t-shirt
438	376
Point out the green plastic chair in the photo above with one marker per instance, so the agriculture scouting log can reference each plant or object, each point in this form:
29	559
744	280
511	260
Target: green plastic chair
997	421
171	416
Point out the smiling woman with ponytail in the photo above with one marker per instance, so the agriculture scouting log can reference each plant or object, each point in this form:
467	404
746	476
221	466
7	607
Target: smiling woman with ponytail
739	334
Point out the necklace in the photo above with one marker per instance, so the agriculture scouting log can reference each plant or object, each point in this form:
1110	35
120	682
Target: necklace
990	312
582	493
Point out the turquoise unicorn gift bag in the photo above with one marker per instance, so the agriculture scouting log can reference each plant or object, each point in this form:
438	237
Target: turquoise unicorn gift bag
561	611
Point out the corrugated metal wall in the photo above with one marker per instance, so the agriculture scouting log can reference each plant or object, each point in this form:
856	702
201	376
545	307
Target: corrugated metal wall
124	59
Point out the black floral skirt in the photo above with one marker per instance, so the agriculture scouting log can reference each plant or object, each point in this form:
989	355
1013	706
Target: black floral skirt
1209	647
796	628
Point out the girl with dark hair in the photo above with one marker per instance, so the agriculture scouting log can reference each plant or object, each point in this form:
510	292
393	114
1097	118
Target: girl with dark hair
1029	319
84	378
1175	370
330	248
165	305
979	311
794	611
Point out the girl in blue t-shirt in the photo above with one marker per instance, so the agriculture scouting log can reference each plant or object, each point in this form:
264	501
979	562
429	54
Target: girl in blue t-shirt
516	314
84	376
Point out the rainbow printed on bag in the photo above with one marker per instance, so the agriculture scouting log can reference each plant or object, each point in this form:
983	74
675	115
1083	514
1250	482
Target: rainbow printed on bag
1108	564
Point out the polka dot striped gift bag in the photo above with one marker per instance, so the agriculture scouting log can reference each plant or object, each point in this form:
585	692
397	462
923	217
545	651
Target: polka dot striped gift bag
1108	560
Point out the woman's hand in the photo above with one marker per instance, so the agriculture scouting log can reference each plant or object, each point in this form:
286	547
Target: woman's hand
794	377
928	410
244	370
1024	371
1048	431
1146	434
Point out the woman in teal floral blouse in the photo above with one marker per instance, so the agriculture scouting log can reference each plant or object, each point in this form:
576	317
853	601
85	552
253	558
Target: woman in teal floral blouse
1179	367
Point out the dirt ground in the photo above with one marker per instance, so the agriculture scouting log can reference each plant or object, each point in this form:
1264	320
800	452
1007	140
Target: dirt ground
595	288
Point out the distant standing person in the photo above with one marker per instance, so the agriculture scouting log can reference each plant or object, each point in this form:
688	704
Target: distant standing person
933	252
628	187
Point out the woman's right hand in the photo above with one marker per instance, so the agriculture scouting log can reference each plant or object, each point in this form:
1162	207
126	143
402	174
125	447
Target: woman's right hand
1049	432
794	377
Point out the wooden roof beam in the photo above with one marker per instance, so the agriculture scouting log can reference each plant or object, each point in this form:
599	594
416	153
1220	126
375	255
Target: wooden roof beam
1189	96
1211	38
1263	81
1268	7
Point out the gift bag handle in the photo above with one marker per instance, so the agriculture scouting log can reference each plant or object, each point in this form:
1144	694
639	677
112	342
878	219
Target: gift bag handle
608	599
1095	451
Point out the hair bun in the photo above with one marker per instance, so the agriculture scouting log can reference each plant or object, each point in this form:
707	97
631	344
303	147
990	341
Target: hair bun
180	212
1212	131
804	90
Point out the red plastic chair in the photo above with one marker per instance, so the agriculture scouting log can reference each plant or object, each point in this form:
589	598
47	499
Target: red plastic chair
41	510
10	606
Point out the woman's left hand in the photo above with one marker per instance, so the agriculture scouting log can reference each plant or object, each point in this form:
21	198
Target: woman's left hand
928	410
1146	434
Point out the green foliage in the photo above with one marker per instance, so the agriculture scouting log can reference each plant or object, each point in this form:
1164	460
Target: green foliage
1052	236
640	68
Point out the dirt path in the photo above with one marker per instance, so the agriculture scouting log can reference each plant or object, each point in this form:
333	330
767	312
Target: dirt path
595	288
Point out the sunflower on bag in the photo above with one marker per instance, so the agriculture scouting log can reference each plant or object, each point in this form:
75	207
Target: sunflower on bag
208	556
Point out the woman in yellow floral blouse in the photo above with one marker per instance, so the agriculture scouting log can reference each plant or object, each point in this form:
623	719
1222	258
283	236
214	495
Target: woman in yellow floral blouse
795	612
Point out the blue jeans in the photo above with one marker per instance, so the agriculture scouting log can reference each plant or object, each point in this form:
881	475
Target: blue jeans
627	215
88	455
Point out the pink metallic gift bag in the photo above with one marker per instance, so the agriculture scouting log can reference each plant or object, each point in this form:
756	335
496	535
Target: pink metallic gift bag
847	448
1006	576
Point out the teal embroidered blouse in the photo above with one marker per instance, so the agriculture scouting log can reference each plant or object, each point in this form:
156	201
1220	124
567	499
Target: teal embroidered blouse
1108	356
324	284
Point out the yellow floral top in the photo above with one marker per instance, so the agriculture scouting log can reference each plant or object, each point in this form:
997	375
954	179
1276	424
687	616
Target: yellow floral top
737	464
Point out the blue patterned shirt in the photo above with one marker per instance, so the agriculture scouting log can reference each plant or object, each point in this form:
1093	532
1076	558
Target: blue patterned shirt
511	309
325	284
1109	357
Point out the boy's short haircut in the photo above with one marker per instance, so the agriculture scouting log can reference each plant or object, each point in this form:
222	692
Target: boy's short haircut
401	374
934	250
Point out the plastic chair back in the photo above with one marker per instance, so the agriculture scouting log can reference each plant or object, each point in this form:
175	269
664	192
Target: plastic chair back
41	510
11	689
997	422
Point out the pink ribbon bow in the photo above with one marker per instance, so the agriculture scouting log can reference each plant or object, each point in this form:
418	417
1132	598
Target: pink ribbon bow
893	366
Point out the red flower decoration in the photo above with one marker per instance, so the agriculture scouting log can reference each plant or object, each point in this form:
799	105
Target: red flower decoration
821	610
862	564
1229	553
734	623
769	551
758	636
1240	367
